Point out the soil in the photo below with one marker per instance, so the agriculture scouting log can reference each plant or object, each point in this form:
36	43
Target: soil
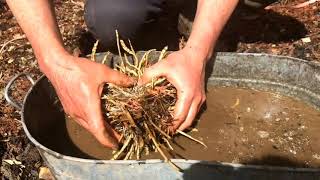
238	125
18	57
279	30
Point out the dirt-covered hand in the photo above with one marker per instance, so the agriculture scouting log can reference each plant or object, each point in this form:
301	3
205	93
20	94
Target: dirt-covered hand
185	69
79	83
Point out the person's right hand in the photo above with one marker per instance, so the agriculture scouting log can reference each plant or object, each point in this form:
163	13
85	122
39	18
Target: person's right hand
79	83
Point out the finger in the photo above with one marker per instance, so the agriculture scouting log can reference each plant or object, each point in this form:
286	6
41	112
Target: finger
181	109
73	117
107	136
101	130
154	71
104	134
194	109
117	78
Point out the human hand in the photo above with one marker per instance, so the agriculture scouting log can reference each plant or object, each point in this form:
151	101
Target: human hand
79	84
185	69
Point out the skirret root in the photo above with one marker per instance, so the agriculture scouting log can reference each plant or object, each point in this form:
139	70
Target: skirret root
142	115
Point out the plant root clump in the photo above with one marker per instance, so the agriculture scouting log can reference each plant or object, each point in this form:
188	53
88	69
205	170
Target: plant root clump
142	115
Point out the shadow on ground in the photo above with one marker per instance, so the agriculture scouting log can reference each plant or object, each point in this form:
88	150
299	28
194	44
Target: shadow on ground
247	25
265	26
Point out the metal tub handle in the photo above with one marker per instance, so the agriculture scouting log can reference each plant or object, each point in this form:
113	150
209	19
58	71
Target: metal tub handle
8	98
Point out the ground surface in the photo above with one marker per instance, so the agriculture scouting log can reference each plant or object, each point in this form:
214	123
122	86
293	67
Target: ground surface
280	30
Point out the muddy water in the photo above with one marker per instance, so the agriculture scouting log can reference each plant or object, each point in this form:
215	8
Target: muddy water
237	125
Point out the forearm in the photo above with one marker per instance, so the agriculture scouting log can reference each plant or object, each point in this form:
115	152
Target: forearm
211	16
37	19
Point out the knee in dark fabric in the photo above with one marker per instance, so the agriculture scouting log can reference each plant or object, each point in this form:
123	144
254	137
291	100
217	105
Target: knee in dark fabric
103	17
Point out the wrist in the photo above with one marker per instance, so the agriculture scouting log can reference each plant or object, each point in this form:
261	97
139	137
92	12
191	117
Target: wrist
53	59
198	53
197	60
202	51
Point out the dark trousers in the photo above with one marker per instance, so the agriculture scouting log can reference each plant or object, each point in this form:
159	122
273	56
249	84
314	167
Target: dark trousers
129	17
136	19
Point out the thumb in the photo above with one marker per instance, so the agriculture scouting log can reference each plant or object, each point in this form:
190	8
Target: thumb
117	78
153	71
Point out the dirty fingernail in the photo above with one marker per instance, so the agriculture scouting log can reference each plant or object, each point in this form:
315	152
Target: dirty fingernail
140	82
115	147
114	143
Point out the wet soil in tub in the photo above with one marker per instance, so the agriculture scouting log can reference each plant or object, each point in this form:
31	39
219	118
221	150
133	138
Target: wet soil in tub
237	125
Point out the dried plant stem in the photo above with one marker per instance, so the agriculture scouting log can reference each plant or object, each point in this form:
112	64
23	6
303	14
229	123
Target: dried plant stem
94	49
105	57
163	52
175	167
118	45
124	47
166	159
138	152
129	153
192	138
136	61
155	143
10	41
168	143
145	58
126	143
157	128
146	148
130	118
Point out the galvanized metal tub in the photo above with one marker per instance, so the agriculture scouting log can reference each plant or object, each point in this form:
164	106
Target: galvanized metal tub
284	75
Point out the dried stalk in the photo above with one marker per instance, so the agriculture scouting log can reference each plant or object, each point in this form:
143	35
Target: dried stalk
116	155
94	50
192	138
105	58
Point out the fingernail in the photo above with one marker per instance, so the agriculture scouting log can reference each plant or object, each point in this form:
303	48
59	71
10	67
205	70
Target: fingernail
114	143
115	147
135	81
139	82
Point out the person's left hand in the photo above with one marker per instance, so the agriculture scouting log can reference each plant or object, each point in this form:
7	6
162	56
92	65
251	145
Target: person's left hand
185	69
